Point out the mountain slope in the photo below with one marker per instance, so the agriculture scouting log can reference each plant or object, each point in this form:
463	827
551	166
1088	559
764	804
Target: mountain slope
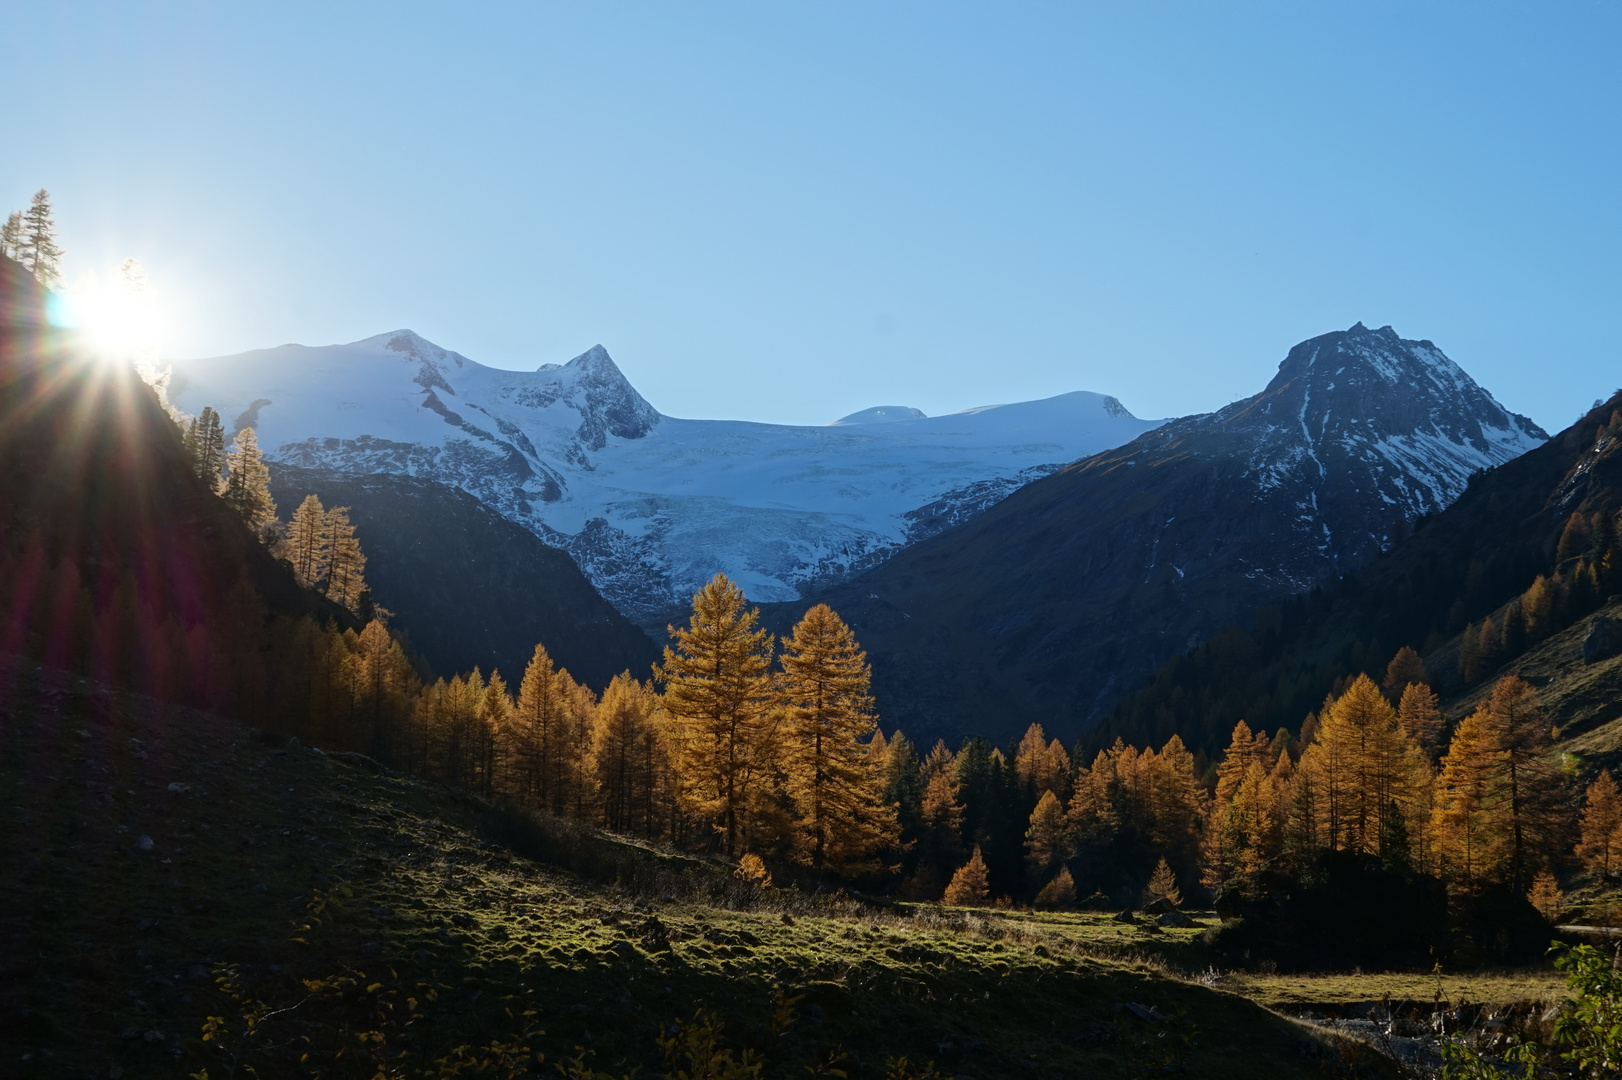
115	559
468	587
1466	563
650	506
1066	595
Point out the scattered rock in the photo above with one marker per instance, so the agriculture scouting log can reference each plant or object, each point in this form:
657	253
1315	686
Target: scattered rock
1143	1012
1126	917
1603	640
788	920
145	843
1158	906
655	935
463	919
371	948
179	788
1177	919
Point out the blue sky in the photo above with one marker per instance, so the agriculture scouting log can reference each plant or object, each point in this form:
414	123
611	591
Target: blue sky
789	212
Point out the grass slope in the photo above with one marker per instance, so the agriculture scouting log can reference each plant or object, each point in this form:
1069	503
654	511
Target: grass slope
382	922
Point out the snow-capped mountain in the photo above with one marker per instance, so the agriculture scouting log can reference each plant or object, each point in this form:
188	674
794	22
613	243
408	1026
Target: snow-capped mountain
1064	596
650	506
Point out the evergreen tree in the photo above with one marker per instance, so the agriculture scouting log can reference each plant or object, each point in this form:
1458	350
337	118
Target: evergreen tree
309	543
719	699
39	251
1601	845
903	781
844	822
247	485
970	886
346	567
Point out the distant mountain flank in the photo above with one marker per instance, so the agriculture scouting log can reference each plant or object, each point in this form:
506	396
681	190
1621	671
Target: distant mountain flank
1066	595
650	506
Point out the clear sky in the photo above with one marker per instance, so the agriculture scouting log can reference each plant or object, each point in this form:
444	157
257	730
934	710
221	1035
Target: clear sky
789	212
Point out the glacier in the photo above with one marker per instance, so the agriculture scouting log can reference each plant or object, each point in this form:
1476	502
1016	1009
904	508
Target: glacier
650	506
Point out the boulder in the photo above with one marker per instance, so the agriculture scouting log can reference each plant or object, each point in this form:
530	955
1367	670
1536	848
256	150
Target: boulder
1177	919
1126	917
1158	906
1603	641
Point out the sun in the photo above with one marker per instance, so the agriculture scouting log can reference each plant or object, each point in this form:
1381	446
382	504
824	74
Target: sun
118	317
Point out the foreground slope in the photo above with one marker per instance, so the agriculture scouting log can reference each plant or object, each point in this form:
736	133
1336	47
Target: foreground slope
162	866
650	506
468	587
1067	595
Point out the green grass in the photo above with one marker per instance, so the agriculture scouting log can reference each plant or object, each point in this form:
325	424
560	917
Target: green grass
390	917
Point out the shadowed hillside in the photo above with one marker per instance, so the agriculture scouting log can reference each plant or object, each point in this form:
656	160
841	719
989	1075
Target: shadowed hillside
467	586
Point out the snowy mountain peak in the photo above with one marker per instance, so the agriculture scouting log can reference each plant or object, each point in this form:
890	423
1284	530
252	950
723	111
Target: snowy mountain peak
1352	414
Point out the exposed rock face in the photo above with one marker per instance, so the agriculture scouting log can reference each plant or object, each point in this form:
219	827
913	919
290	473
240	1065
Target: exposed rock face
1603	640
1054	602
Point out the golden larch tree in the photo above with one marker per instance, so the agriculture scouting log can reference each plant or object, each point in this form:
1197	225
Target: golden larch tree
1533	788
247	484
1421	717
719	699
971	885
1042	765
346	569
628	760
541	742
309	544
1048	837
1058	893
1405	669
1601	845
1365	769
1466	821
844	823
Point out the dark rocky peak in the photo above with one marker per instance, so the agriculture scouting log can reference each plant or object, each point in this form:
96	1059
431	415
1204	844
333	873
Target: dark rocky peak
1361	385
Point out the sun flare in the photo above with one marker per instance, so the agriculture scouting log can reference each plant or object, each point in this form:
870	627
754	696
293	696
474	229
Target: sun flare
119	317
